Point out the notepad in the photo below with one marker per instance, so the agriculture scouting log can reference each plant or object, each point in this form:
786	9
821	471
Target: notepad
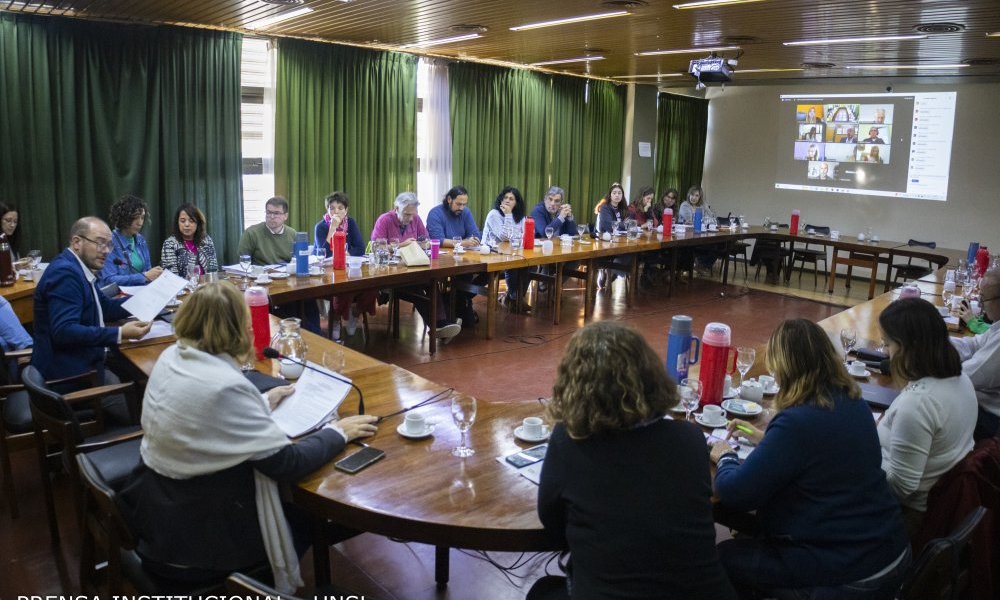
315	400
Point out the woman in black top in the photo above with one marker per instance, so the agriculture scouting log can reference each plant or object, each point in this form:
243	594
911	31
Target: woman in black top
626	491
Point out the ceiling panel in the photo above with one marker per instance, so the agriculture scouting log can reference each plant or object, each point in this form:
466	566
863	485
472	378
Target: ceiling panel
758	28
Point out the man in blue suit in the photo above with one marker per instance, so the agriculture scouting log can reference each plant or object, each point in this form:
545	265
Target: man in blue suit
71	336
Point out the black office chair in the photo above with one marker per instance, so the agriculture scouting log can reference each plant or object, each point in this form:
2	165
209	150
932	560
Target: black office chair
15	420
943	570
807	254
58	425
908	270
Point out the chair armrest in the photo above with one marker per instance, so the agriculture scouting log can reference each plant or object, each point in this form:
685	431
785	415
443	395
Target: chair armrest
18	354
97	392
6	390
89	374
108	442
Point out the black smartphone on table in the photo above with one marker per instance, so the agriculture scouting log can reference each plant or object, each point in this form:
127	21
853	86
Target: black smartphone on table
359	460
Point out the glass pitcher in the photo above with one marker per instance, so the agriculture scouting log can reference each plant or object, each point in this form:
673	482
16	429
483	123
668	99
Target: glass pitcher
288	341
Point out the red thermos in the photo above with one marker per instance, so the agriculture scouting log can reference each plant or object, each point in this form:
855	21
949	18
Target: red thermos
260	321
339	250
715	362
529	233
982	260
668	221
793	228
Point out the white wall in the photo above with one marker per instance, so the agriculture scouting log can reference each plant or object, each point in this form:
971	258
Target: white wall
740	168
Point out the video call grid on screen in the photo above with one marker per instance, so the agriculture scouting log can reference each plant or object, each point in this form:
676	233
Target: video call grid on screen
896	145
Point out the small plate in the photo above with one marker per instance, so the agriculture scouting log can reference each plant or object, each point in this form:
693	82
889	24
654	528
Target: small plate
679	409
717	425
401	430
519	434
743	408
279	275
173	303
262	280
771	390
864	375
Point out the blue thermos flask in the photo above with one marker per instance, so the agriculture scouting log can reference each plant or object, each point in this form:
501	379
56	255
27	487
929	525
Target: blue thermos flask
697	220
680	354
973	250
301	252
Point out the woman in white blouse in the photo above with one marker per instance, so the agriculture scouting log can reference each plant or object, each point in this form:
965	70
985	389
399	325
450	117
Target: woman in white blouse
505	223
928	428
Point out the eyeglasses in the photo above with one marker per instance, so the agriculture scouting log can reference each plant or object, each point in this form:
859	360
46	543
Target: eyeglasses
672	196
274	213
10	221
101	245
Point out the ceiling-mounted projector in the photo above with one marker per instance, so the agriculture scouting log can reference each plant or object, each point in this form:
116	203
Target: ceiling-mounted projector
713	69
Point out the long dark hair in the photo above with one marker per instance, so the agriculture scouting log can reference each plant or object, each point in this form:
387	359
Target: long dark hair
193	212
15	237
518	202
453	193
125	210
917	328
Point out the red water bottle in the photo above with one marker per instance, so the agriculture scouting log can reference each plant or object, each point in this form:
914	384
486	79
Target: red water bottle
715	364
529	233
339	250
793	228
260	321
668	221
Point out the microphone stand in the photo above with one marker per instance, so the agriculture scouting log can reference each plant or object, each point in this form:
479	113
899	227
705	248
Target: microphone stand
272	353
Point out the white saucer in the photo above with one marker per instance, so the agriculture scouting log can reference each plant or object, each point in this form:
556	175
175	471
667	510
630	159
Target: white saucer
279	275
742	408
771	390
679	409
519	434
716	425
864	375
401	430
173	303
262	280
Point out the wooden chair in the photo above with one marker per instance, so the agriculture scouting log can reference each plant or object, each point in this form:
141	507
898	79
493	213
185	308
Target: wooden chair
58	424
854	258
943	571
806	254
15	422
908	270
740	248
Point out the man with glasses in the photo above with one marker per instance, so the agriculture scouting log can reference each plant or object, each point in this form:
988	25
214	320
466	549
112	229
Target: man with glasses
71	315
981	359
270	242
553	211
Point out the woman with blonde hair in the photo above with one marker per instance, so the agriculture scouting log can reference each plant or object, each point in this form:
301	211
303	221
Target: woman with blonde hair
204	500
826	523
625	490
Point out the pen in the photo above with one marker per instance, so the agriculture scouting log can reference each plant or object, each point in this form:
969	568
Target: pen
744	429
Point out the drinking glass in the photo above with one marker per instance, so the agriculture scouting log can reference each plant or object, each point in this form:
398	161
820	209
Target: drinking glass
424	243
580	230
333	360
744	360
463	412
732	223
193	273
245	262
690	392
321	254
848	338
394	247
549	232
36	258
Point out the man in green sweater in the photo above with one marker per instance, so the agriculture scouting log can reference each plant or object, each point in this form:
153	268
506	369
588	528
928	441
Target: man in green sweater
270	242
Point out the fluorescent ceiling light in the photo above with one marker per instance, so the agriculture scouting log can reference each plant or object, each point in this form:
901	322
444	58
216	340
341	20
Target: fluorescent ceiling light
439	42
993	34
607	15
657	76
877	38
567	61
890	67
742	71
688	50
711	3
280	17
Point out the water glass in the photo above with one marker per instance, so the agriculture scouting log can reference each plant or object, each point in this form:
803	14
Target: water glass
321	254
245	262
745	356
36	258
848	339
333	360
580	230
463	413
549	232
690	393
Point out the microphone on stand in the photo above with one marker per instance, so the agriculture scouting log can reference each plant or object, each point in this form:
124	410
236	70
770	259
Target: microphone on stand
272	353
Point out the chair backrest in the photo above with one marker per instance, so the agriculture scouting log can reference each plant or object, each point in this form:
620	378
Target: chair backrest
49	409
105	502
944	568
931	245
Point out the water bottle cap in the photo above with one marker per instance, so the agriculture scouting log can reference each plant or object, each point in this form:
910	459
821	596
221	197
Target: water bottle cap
681	325
256	295
717	334
301	236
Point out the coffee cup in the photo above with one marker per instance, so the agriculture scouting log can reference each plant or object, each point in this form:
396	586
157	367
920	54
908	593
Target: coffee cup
727	386
414	423
774	227
547	247
834	234
484	249
28	275
533	427
606	236
766	382
861	237
752	390
713	226
857	368
713	415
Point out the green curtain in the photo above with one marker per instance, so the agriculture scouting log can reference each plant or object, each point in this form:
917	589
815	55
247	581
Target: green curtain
90	111
603	142
345	119
498	132
682	126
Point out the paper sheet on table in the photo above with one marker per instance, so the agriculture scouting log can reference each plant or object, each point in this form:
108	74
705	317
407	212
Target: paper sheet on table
532	473
255	270
315	400
157	330
150	299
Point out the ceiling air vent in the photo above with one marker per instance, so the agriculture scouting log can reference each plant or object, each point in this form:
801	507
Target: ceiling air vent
469	28
939	28
624	4
982	62
818	65
283	2
740	40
